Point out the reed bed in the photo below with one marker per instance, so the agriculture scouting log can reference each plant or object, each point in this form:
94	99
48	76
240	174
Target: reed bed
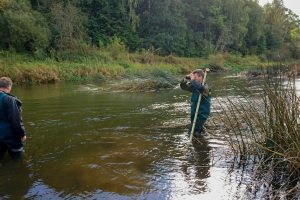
264	130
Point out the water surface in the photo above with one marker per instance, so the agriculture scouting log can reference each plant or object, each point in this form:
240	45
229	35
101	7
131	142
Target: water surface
87	143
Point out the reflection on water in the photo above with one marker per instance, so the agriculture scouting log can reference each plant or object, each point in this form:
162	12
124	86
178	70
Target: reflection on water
15	179
87	143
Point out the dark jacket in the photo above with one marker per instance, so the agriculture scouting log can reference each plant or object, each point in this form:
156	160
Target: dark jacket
197	88
11	125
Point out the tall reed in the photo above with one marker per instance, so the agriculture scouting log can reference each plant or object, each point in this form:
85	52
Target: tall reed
266	129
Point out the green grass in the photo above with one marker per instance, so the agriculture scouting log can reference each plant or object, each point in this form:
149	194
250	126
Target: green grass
110	63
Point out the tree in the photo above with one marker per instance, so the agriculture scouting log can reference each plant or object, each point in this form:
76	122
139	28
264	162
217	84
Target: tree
295	42
236	20
21	27
181	27
67	26
280	22
163	26
275	24
204	20
114	18
254	41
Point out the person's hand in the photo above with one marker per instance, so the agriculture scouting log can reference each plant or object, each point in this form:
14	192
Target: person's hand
192	76
23	138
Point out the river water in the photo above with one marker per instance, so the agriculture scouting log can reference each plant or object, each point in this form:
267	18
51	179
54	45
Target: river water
85	142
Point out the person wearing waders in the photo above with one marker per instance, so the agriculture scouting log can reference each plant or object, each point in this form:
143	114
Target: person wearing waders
194	83
12	132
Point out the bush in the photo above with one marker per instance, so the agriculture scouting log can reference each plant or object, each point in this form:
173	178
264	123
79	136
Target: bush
216	61
23	28
116	48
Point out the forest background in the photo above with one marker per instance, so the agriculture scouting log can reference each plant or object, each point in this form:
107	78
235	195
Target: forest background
66	39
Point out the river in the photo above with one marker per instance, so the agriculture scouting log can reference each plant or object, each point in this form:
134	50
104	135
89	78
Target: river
85	142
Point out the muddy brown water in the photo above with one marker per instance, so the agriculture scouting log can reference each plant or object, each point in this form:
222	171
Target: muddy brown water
85	142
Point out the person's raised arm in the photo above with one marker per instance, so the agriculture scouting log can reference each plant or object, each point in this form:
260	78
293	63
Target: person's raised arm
186	85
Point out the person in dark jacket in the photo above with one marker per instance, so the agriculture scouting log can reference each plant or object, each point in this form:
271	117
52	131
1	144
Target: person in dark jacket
12	132
194	83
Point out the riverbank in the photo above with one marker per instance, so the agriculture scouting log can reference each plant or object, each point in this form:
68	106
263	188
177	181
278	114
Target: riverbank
101	65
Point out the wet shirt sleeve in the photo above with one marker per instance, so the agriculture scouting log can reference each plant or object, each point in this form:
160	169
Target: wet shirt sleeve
14	116
185	85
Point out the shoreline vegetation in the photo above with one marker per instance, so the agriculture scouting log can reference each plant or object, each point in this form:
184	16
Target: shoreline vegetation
263	133
49	41
114	64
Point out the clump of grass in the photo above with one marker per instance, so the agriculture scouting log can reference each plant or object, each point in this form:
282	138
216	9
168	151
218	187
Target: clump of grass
266	129
155	79
36	75
217	61
142	85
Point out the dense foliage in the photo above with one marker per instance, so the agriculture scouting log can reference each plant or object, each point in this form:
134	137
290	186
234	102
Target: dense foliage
181	27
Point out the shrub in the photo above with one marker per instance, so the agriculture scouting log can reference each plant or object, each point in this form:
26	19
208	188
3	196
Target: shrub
116	48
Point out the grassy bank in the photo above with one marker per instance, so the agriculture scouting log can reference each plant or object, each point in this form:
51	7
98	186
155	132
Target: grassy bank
100	65
113	63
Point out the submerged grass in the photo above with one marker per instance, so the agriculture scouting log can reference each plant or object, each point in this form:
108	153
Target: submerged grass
266	129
